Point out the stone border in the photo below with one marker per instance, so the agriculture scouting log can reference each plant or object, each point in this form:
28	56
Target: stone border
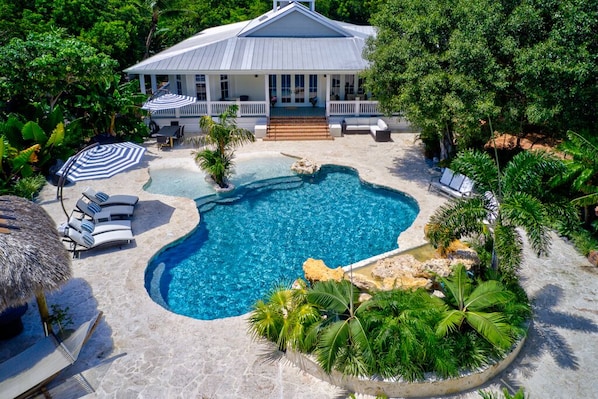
405	389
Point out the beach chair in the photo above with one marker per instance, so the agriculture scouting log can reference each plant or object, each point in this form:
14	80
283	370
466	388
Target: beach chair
84	241
82	225
98	213
453	184
104	199
29	371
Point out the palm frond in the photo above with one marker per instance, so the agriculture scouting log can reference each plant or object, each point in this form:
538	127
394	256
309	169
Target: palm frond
332	340
479	167
456	219
333	296
508	247
492	327
523	210
486	294
529	172
451	322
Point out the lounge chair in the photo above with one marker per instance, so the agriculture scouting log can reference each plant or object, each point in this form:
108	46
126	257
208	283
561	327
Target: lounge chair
28	372
82	225
104	199
453	184
85	241
99	214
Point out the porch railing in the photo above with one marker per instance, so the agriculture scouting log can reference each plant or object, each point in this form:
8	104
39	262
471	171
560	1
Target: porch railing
260	108
356	107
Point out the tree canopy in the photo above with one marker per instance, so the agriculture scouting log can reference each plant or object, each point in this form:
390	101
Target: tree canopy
450	64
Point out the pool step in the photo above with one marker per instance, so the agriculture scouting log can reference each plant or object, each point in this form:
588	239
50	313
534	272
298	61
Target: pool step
298	128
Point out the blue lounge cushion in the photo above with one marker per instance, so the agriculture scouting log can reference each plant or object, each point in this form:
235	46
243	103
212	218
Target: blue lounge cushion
93	207
102	197
88	239
87	226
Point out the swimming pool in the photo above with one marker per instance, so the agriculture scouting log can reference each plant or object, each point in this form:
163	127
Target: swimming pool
259	236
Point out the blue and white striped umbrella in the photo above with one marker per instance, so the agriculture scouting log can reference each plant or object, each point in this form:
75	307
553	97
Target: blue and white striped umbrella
168	101
103	161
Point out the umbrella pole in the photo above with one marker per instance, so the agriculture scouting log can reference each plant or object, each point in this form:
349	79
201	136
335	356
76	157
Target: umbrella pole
43	312
63	177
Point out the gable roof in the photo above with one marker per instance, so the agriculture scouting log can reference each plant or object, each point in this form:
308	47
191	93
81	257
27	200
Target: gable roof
292	38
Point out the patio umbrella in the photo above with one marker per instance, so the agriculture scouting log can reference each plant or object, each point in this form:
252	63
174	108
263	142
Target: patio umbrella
168	101
34	260
98	161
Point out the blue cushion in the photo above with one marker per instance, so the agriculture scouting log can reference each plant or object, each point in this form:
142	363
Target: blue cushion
88	240
93	207
102	197
87	226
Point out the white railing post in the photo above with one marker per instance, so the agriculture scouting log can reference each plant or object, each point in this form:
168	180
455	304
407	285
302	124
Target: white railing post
238	101
356	107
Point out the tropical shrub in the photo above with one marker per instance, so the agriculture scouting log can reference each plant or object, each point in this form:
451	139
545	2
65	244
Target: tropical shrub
395	334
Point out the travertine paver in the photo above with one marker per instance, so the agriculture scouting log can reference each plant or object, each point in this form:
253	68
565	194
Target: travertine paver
141	350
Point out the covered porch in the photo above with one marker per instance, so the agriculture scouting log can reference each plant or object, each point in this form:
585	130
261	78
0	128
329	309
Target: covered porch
265	95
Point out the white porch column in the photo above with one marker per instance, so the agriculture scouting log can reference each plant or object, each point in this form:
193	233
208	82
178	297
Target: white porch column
208	97
154	84
142	83
327	94
267	94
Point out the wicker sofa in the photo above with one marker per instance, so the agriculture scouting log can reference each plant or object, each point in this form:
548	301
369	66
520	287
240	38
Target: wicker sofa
375	126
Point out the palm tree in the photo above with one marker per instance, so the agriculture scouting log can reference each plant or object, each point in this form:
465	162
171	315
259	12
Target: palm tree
464	303
343	342
286	318
517	197
582	170
221	137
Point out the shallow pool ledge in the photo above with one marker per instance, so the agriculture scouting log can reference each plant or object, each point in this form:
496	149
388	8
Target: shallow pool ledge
417	389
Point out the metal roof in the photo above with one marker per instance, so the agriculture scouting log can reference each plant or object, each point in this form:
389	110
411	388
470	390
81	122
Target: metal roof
242	48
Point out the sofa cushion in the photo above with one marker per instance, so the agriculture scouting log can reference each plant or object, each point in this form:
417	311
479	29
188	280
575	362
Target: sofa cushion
382	125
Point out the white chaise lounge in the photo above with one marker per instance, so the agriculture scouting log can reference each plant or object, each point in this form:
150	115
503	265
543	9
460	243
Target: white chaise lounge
104	199
453	184
27	372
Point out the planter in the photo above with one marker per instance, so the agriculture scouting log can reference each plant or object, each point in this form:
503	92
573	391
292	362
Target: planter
431	387
11	324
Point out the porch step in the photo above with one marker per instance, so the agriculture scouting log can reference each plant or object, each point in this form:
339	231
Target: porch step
298	128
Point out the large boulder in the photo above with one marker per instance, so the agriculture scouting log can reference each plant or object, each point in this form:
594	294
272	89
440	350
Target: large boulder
305	166
396	266
316	270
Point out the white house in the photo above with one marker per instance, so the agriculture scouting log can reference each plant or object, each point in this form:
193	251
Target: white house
290	60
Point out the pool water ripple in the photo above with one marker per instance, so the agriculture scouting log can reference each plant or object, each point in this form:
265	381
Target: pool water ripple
261	234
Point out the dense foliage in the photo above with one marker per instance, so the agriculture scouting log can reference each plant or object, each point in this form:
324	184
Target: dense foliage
395	334
521	196
448	65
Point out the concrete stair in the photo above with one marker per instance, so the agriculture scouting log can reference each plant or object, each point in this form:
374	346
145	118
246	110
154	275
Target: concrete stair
298	128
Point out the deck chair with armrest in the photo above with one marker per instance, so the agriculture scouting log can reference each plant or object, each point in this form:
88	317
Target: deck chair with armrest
84	241
82	225
98	213
103	199
162	141
29	371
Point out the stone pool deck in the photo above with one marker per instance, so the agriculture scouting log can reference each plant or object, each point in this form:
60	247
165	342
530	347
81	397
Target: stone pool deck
140	350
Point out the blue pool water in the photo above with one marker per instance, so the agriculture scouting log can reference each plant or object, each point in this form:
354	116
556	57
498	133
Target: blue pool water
259	236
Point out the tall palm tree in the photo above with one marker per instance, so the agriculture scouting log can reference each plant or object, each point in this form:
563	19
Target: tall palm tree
464	303
221	137
519	196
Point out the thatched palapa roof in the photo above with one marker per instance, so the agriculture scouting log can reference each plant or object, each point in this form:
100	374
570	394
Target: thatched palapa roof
33	258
